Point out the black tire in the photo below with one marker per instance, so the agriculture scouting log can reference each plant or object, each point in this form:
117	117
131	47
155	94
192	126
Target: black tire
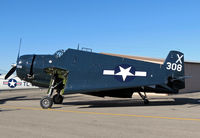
46	102
57	99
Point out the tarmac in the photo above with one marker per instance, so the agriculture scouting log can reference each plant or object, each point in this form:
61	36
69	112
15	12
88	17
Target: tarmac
83	116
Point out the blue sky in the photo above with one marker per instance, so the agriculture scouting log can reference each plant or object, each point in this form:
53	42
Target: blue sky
133	27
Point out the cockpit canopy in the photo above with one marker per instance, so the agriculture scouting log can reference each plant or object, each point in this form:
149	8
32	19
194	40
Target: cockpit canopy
59	53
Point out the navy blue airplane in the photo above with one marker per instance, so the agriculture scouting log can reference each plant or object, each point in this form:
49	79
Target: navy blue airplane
76	71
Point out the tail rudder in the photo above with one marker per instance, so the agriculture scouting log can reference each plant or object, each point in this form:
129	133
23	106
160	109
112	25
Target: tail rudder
174	63
174	68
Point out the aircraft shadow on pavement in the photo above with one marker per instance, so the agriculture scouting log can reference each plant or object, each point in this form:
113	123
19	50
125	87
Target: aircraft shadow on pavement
133	103
18	98
114	103
6	110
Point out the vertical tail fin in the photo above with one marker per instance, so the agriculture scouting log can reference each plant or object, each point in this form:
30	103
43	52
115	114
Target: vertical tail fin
174	68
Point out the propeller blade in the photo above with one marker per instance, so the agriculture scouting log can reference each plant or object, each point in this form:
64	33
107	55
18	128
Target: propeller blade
13	69
10	72
30	75
20	42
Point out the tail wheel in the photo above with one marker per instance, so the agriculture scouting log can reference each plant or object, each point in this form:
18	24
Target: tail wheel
57	99
146	101
46	102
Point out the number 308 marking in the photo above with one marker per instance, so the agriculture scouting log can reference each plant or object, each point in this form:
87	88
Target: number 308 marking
174	66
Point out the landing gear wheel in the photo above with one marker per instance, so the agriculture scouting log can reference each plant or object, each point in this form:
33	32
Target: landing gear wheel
46	102
146	101
57	99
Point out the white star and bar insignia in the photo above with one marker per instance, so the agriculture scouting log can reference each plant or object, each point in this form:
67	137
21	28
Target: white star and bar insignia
125	73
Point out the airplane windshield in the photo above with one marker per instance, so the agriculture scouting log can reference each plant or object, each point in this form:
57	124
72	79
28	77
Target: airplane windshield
59	53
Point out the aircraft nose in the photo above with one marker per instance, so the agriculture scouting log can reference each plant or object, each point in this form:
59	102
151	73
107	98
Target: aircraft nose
24	66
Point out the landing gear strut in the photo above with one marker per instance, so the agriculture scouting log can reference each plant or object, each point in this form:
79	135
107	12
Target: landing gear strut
47	101
144	97
57	99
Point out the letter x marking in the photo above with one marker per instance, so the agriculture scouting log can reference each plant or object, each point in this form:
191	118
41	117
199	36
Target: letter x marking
179	58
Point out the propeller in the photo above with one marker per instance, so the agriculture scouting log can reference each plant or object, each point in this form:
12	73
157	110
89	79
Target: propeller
30	75
13	69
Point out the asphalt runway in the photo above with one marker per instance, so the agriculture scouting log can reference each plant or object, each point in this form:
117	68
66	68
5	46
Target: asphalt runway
83	116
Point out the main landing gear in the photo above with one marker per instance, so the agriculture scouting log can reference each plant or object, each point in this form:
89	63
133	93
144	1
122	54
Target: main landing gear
56	83
144	97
